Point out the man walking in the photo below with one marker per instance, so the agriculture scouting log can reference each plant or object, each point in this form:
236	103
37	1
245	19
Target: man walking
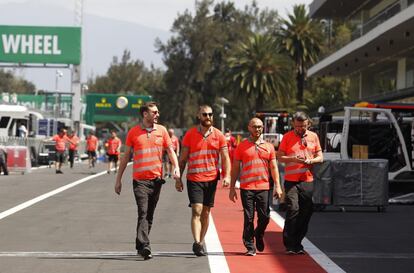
258	162
147	140
176	146
91	147
73	146
60	145
113	147
202	146
299	150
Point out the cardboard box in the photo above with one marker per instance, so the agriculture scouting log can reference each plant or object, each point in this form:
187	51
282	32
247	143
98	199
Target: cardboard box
360	151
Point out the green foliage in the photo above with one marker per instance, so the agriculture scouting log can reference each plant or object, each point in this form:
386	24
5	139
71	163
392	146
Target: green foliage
127	76
301	37
9	83
260	71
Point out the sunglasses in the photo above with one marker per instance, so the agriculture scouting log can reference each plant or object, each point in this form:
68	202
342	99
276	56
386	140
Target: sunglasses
303	141
207	114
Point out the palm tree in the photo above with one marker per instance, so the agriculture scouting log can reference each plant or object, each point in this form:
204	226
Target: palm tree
259	71
301	37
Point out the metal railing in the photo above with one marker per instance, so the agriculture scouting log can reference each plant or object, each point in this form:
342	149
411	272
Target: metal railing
378	19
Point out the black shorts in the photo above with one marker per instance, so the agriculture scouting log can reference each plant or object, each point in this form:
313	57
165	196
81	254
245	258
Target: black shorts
60	157
92	153
112	158
202	192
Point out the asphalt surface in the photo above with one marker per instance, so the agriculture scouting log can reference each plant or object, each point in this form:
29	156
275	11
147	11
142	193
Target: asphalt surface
88	228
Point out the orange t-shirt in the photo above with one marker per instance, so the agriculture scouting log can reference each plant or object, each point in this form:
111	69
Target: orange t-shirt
148	147
113	146
175	142
305	147
255	159
203	154
60	142
73	144
91	143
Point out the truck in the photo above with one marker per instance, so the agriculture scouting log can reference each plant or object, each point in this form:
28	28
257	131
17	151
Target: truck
372	131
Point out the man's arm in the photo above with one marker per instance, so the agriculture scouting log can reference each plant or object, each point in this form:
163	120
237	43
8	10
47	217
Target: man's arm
282	157
225	163
174	161
235	171
317	159
122	166
274	171
179	186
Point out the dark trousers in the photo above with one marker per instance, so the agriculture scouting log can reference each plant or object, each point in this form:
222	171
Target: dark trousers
147	193
3	167
71	157
254	200
299	208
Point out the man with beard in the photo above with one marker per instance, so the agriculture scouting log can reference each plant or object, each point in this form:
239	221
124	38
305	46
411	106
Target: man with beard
258	162
299	150
201	147
148	140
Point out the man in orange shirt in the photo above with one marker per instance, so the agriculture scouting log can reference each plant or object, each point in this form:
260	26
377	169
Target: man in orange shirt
147	140
91	146
60	145
258	162
73	146
202	146
176	146
299	150
113	147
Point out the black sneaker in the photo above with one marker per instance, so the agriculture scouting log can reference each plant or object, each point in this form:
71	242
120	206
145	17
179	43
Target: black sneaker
198	249
260	243
59	171
290	252
146	253
108	172
250	252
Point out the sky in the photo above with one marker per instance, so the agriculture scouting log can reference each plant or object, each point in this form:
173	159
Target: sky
155	14
143	11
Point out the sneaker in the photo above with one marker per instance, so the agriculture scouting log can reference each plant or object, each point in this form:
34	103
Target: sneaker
290	252
260	243
250	252
198	249
146	253
300	252
108	172
59	171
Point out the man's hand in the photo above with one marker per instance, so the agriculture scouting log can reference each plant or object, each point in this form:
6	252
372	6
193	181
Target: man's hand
118	187
233	195
176	173
226	182
179	185
277	192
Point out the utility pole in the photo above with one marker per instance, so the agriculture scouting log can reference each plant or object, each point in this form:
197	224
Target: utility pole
76	73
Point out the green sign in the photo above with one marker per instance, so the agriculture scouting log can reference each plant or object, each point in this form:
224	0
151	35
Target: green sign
104	107
29	44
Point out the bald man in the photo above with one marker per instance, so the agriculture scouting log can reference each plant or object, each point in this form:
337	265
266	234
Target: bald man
255	162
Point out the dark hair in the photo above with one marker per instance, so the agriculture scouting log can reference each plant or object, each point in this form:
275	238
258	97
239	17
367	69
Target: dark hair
300	116
144	108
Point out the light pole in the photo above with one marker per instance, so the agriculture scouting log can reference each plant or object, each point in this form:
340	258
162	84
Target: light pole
58	75
223	115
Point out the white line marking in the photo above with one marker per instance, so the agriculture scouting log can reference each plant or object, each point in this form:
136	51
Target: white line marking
217	262
327	264
81	254
29	203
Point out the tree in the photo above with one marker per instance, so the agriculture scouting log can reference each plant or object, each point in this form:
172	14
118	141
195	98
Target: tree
9	83
260	71
127	75
301	37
